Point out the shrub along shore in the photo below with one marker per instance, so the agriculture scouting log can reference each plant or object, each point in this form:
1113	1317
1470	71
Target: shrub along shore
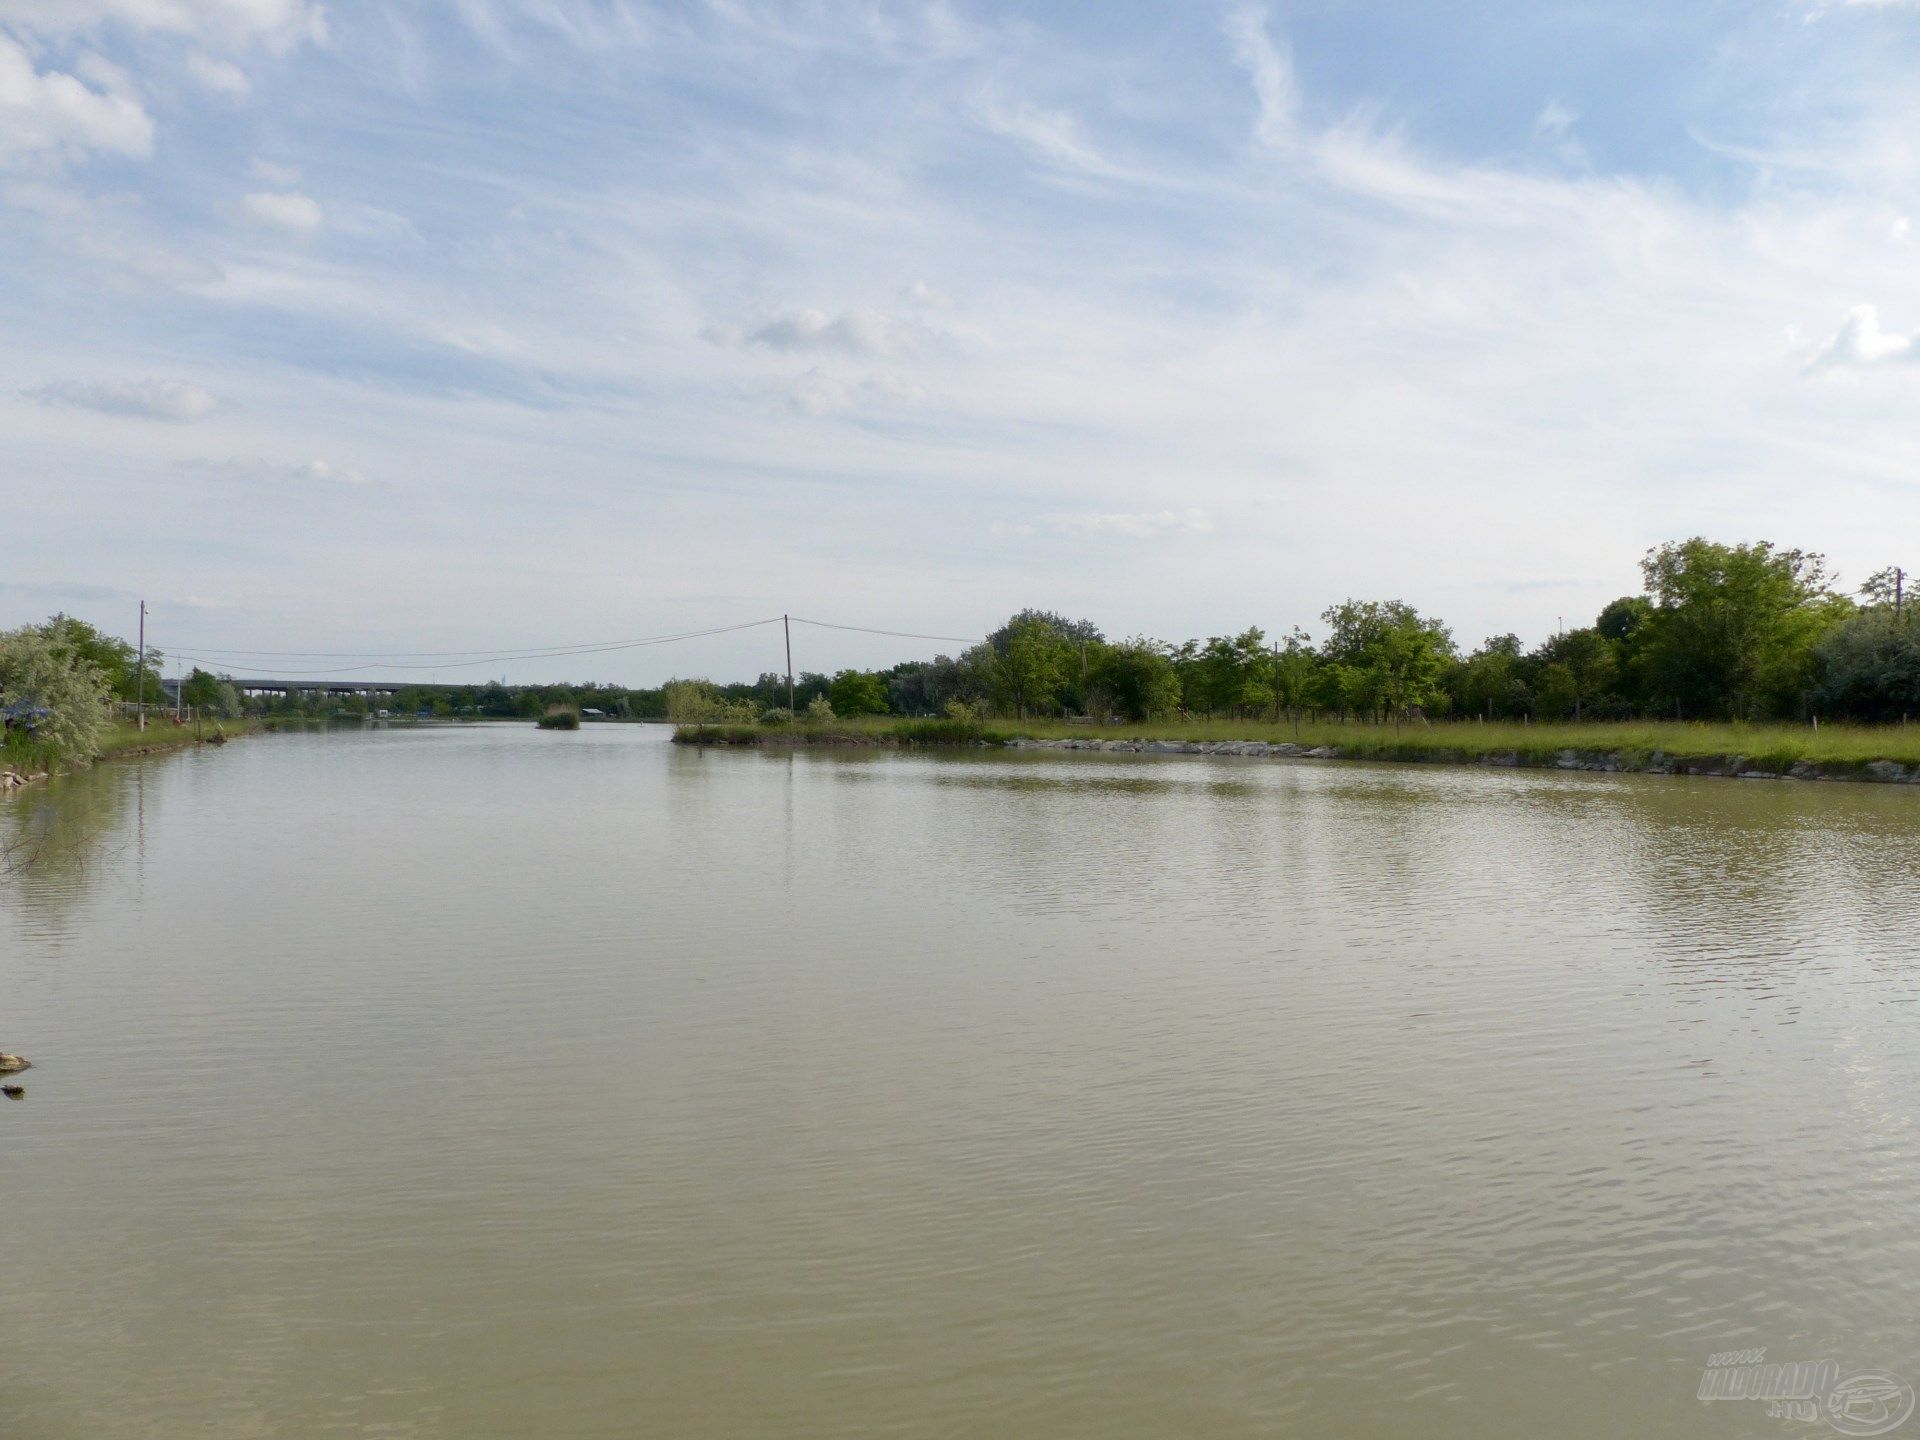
23	764
1886	754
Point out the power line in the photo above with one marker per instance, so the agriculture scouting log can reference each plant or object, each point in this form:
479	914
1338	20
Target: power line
534	652
897	634
436	660
489	659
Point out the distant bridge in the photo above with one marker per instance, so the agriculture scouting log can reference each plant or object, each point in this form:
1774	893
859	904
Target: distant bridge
372	689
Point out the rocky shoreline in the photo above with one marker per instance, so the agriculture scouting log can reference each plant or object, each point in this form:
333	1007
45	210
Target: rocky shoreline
1733	767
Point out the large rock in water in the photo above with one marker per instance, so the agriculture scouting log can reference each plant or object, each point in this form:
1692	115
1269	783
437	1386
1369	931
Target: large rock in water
1886	770
13	1064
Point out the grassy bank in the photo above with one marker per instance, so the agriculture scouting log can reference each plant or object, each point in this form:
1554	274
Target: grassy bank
1834	751
122	739
880	730
126	738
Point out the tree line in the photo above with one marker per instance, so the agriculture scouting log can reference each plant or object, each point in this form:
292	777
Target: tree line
59	682
1718	632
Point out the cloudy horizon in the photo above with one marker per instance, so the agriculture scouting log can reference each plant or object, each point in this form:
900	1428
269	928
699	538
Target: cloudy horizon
509	324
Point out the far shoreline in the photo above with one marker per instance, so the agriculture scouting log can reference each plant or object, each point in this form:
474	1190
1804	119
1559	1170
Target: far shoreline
1852	754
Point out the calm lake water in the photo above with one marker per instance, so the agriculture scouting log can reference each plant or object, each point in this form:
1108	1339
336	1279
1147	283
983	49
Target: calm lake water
491	1083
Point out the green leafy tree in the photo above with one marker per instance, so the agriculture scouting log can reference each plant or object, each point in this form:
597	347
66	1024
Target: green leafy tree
1733	627
1338	688
117	660
1868	667
855	692
53	690
1190	674
1235	673
200	690
1400	655
1495	680
1137	680
1624	618
1293	671
1070	632
688	702
1219	674
1028	675
1886	589
1578	666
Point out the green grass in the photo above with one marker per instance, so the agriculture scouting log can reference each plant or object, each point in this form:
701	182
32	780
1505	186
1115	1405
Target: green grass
121	738
1767	747
873	730
126	738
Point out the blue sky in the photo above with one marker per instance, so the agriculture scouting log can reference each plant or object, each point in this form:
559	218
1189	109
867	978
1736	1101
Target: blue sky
502	323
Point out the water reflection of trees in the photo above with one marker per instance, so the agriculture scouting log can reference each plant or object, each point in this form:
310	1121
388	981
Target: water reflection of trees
1771	872
55	837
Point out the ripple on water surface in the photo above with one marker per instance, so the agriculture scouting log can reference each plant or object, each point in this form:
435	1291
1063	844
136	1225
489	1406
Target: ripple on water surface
494	1083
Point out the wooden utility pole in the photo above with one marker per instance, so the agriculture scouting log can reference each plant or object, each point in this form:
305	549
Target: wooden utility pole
140	704
786	624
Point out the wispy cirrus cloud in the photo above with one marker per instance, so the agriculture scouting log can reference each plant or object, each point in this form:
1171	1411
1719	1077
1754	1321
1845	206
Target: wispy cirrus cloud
222	76
1125	525
276	24
254	470
288	211
174	400
1049	133
1270	67
1337	288
857	331
818	392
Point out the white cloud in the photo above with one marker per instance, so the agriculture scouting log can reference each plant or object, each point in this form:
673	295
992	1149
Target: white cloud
277	24
1553	131
1860	343
115	234
284	210
259	471
1054	135
148	399
853	332
1469	341
1140	525
221	76
320	471
275	173
818	393
1271	68
1555	119
58	115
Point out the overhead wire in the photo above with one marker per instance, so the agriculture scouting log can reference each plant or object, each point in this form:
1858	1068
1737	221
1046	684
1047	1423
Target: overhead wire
436	660
215	657
897	634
